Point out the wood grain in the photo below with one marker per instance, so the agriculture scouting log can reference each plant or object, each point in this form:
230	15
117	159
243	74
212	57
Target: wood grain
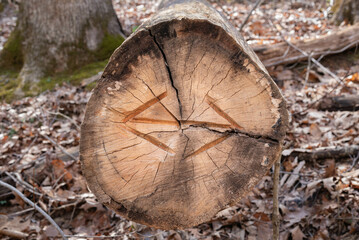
181	120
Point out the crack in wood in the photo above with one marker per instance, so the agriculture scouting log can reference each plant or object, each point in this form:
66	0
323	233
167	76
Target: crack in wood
183	123
168	69
108	158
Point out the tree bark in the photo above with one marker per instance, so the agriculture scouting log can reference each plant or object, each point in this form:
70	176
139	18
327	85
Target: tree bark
58	36
184	121
346	11
281	53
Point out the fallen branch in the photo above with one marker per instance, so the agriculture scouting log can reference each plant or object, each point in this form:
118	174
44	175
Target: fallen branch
13	233
337	42
326	70
28	201
339	103
321	153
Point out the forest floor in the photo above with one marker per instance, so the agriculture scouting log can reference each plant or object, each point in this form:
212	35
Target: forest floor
319	196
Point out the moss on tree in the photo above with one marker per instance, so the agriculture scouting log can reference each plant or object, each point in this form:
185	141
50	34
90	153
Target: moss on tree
12	60
109	43
9	80
11	57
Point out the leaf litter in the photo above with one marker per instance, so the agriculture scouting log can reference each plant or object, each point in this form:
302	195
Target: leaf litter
319	199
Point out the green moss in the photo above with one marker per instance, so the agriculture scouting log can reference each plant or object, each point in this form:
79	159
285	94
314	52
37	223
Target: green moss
9	81
108	45
11	59
134	28
91	86
1	7
11	56
8	85
352	55
74	78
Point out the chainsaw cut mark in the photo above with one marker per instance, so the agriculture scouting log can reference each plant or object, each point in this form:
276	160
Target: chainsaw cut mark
220	112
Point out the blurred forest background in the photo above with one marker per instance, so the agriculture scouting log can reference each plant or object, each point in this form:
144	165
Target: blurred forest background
48	67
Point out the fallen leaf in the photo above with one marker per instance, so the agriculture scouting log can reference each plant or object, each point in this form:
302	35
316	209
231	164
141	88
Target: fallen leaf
330	170
297	234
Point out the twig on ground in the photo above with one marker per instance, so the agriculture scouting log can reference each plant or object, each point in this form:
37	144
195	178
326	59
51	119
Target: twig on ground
58	180
275	214
308	69
115	236
59	147
13	233
339	51
298	174
64	206
21	212
24	184
65	116
355	160
28	149
249	14
28	201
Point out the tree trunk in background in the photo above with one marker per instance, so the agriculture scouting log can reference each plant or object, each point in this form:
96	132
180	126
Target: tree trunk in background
57	36
184	121
346	10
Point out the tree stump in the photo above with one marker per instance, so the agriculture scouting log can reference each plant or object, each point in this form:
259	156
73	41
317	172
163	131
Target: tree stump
184	121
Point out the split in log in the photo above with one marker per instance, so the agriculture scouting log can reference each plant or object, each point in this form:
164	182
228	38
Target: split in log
322	153
339	103
282	53
184	121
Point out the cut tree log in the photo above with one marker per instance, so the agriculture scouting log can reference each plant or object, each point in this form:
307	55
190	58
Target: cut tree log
184	121
334	43
339	103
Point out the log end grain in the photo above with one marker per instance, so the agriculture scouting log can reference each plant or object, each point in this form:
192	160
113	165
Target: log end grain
184	121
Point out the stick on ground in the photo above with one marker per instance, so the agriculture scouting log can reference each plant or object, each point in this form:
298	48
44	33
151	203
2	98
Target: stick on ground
275	215
249	14
28	201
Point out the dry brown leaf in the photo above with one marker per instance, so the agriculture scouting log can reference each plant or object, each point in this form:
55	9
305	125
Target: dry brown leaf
288	165
59	170
330	170
264	231
262	216
354	78
315	131
297	234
